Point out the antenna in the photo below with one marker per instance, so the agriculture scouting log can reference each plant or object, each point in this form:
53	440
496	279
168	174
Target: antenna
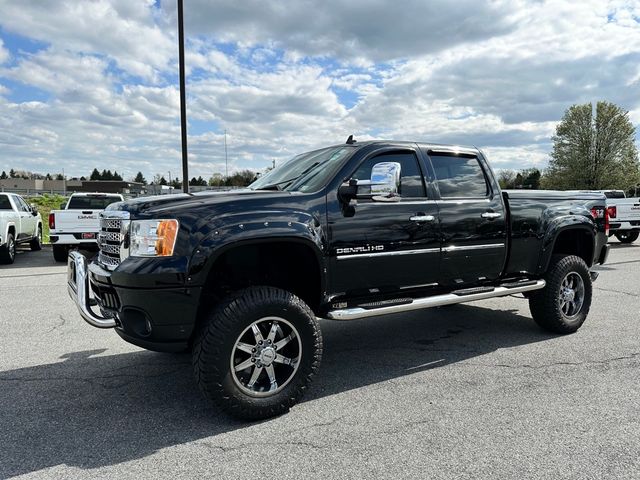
351	140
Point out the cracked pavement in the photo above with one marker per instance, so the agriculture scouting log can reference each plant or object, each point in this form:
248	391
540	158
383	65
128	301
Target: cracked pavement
471	391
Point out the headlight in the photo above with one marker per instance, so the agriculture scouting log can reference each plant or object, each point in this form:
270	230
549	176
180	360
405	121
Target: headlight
153	238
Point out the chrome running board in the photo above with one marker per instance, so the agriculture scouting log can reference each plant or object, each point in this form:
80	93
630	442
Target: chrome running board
356	313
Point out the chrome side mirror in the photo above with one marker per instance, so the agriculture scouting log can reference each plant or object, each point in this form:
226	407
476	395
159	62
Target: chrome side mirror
385	179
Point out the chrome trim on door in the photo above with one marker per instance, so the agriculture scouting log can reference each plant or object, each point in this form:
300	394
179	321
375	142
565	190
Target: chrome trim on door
491	215
388	254
453	248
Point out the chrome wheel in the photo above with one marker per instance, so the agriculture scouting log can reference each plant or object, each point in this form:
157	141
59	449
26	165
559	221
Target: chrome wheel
266	356
12	248
571	295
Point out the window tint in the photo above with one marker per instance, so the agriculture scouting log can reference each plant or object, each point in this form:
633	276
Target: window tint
411	184
91	203
459	176
22	204
5	204
614	194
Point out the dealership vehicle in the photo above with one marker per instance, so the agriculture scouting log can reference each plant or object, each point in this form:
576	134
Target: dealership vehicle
343	233
19	223
624	214
77	224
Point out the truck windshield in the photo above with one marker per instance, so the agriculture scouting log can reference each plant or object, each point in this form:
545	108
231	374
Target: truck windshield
5	204
90	202
306	172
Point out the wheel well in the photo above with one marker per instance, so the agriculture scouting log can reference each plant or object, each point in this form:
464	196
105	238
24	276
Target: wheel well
575	242
291	266
12	229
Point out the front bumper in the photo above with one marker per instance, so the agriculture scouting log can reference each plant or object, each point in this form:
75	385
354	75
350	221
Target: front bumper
78	286
159	319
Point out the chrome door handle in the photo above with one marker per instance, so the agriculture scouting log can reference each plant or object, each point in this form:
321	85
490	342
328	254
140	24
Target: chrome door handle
491	215
422	218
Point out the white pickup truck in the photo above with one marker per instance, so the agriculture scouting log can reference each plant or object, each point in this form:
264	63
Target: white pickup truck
624	218
19	223
78	223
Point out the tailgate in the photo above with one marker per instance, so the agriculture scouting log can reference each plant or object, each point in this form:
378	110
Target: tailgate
77	221
628	211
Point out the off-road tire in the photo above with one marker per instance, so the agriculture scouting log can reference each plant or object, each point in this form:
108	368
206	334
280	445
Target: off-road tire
36	243
545	304
627	237
216	339
60	253
8	251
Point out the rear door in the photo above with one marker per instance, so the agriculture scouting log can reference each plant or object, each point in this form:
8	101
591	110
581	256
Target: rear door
473	223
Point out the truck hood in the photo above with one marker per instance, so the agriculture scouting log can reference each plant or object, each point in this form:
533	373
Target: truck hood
174	204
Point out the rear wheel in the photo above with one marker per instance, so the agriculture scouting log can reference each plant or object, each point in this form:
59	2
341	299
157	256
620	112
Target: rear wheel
562	306
60	253
36	243
8	251
257	352
627	237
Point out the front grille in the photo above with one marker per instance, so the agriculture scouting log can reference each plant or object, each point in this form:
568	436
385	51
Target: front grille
111	238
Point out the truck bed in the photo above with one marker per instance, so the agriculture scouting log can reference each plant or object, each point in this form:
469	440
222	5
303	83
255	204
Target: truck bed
531	214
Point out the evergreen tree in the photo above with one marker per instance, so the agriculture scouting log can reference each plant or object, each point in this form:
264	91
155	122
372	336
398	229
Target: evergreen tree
3	176
140	178
95	175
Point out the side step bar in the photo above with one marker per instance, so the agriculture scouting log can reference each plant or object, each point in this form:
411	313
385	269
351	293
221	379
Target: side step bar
355	313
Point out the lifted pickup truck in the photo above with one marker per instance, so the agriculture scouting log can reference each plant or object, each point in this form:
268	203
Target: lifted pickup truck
19	223
343	233
77	223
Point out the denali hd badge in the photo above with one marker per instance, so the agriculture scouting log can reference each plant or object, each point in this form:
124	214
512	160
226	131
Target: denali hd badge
363	249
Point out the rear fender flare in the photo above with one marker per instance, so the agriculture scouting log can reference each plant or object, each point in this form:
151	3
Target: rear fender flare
558	226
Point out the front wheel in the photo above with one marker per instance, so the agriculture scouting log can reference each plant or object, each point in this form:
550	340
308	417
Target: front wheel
627	237
563	304
256	353
36	243
8	252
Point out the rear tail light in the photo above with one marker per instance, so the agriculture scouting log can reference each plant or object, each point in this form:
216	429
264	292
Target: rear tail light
612	211
600	213
52	221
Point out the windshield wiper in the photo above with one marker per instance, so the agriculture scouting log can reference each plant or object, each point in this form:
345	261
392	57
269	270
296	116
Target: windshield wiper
276	186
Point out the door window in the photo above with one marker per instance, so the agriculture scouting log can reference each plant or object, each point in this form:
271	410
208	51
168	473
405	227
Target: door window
411	183
22	205
459	177
5	204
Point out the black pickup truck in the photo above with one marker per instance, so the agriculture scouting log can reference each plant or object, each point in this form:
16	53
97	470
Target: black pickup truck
342	233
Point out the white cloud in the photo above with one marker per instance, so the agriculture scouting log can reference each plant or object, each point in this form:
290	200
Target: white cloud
495	74
123	30
4	53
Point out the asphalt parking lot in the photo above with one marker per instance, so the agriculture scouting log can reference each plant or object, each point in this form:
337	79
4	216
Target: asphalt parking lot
473	391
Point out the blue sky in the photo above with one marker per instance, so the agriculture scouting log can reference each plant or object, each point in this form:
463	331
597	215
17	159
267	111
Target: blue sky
94	83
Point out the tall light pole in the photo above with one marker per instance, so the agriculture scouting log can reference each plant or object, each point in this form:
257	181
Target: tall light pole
183	100
226	160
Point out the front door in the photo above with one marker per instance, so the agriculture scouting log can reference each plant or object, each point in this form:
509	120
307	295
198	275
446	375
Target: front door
472	220
386	245
27	221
